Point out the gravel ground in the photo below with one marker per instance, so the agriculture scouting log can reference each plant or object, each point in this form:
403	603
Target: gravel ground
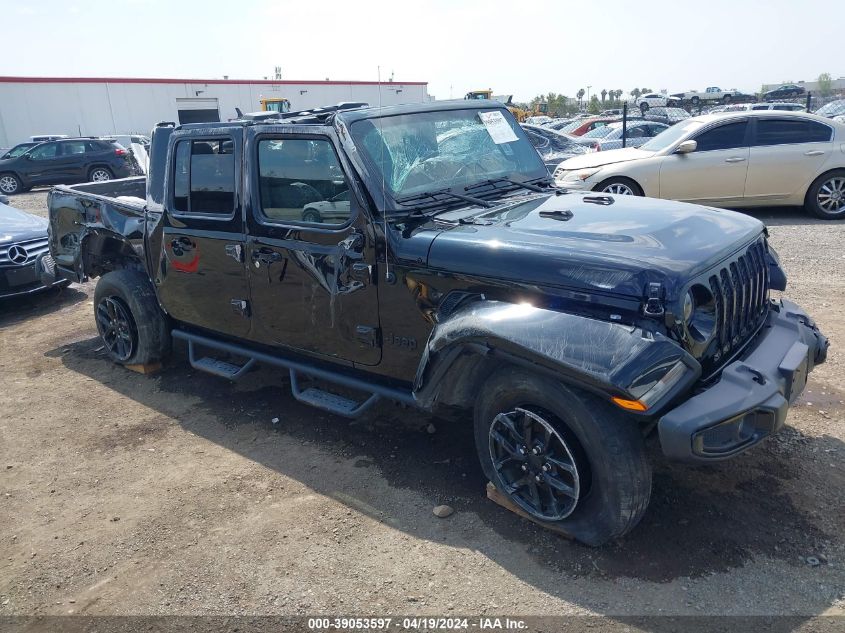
177	494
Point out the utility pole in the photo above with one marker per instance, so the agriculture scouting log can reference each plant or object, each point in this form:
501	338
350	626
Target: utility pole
588	94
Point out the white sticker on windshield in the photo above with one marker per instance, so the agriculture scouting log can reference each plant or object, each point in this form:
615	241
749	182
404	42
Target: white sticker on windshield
497	127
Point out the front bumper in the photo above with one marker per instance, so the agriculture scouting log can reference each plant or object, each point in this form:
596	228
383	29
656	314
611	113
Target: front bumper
576	185
20	281
750	400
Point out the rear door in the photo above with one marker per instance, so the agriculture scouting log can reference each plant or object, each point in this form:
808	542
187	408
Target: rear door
787	154
310	255
74	160
715	172
200	272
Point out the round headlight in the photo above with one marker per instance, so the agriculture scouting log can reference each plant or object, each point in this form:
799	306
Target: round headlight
700	313
689	308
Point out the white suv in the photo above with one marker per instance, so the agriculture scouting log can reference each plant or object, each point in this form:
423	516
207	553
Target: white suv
733	159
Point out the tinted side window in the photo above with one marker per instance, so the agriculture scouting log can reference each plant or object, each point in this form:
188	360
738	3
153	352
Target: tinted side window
204	177
73	148
301	180
788	131
727	136
44	152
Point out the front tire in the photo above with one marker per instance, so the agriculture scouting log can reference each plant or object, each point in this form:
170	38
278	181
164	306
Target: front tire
133	328
826	196
312	216
10	184
564	456
619	186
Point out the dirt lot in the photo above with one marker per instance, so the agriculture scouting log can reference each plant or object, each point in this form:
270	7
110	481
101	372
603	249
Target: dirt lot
176	493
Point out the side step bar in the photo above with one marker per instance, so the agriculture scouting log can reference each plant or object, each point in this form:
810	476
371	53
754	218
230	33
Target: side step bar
330	402
315	397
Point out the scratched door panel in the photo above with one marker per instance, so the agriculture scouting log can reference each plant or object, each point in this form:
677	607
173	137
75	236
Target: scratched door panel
311	264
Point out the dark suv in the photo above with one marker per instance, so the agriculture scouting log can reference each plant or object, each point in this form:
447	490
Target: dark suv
63	162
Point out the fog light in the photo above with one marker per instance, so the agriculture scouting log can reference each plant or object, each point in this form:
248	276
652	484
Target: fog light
734	434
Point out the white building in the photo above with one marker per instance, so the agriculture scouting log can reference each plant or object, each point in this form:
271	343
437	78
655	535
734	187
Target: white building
97	106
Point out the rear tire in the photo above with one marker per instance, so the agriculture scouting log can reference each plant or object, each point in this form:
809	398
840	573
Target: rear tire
577	442
133	328
619	186
826	196
10	184
644	108
100	174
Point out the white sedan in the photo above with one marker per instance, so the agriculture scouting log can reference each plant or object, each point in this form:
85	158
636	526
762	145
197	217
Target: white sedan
733	159
651	100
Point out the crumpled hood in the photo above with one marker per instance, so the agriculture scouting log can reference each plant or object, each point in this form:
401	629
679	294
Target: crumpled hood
17	225
597	159
617	248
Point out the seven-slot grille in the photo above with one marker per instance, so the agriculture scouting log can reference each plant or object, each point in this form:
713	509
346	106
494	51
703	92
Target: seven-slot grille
32	248
741	291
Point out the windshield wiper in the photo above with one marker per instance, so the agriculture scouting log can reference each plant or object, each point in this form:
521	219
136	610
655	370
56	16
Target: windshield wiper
494	181
416	201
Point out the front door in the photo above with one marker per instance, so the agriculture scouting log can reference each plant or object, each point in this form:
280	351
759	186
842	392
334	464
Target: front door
200	274
311	259
715	172
45	164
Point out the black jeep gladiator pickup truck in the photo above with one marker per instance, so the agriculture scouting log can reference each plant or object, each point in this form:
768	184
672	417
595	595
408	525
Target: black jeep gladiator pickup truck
421	253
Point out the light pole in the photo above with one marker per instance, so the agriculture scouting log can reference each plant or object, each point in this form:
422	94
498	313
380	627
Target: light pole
588	94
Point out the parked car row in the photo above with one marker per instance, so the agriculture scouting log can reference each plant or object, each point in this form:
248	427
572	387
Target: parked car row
63	161
729	159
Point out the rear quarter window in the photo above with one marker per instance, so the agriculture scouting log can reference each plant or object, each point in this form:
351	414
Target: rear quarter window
204	177
791	131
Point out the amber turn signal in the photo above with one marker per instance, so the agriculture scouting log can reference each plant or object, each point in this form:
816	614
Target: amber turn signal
631	405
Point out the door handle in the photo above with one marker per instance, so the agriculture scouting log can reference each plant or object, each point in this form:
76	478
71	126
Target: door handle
362	272
265	256
236	252
734	159
814	152
182	245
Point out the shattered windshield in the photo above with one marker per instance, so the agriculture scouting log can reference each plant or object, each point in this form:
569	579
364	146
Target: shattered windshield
426	151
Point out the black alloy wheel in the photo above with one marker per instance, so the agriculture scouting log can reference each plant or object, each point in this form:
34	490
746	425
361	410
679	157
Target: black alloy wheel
116	327
535	464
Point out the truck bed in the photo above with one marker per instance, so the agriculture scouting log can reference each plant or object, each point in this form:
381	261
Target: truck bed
94	210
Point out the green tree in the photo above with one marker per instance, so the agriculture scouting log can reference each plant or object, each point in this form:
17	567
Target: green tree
636	92
595	106
645	91
580	96
825	84
603	94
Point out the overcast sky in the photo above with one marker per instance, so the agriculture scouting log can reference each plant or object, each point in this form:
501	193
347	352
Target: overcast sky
513	47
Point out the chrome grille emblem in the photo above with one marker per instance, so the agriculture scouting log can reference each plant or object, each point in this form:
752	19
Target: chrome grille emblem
18	254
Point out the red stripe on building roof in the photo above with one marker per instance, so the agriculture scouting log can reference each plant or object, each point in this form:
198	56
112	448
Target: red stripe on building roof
147	80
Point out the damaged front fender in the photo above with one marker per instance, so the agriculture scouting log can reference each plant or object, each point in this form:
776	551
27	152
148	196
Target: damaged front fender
603	357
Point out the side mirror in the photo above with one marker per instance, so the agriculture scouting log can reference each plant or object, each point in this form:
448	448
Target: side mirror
686	147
